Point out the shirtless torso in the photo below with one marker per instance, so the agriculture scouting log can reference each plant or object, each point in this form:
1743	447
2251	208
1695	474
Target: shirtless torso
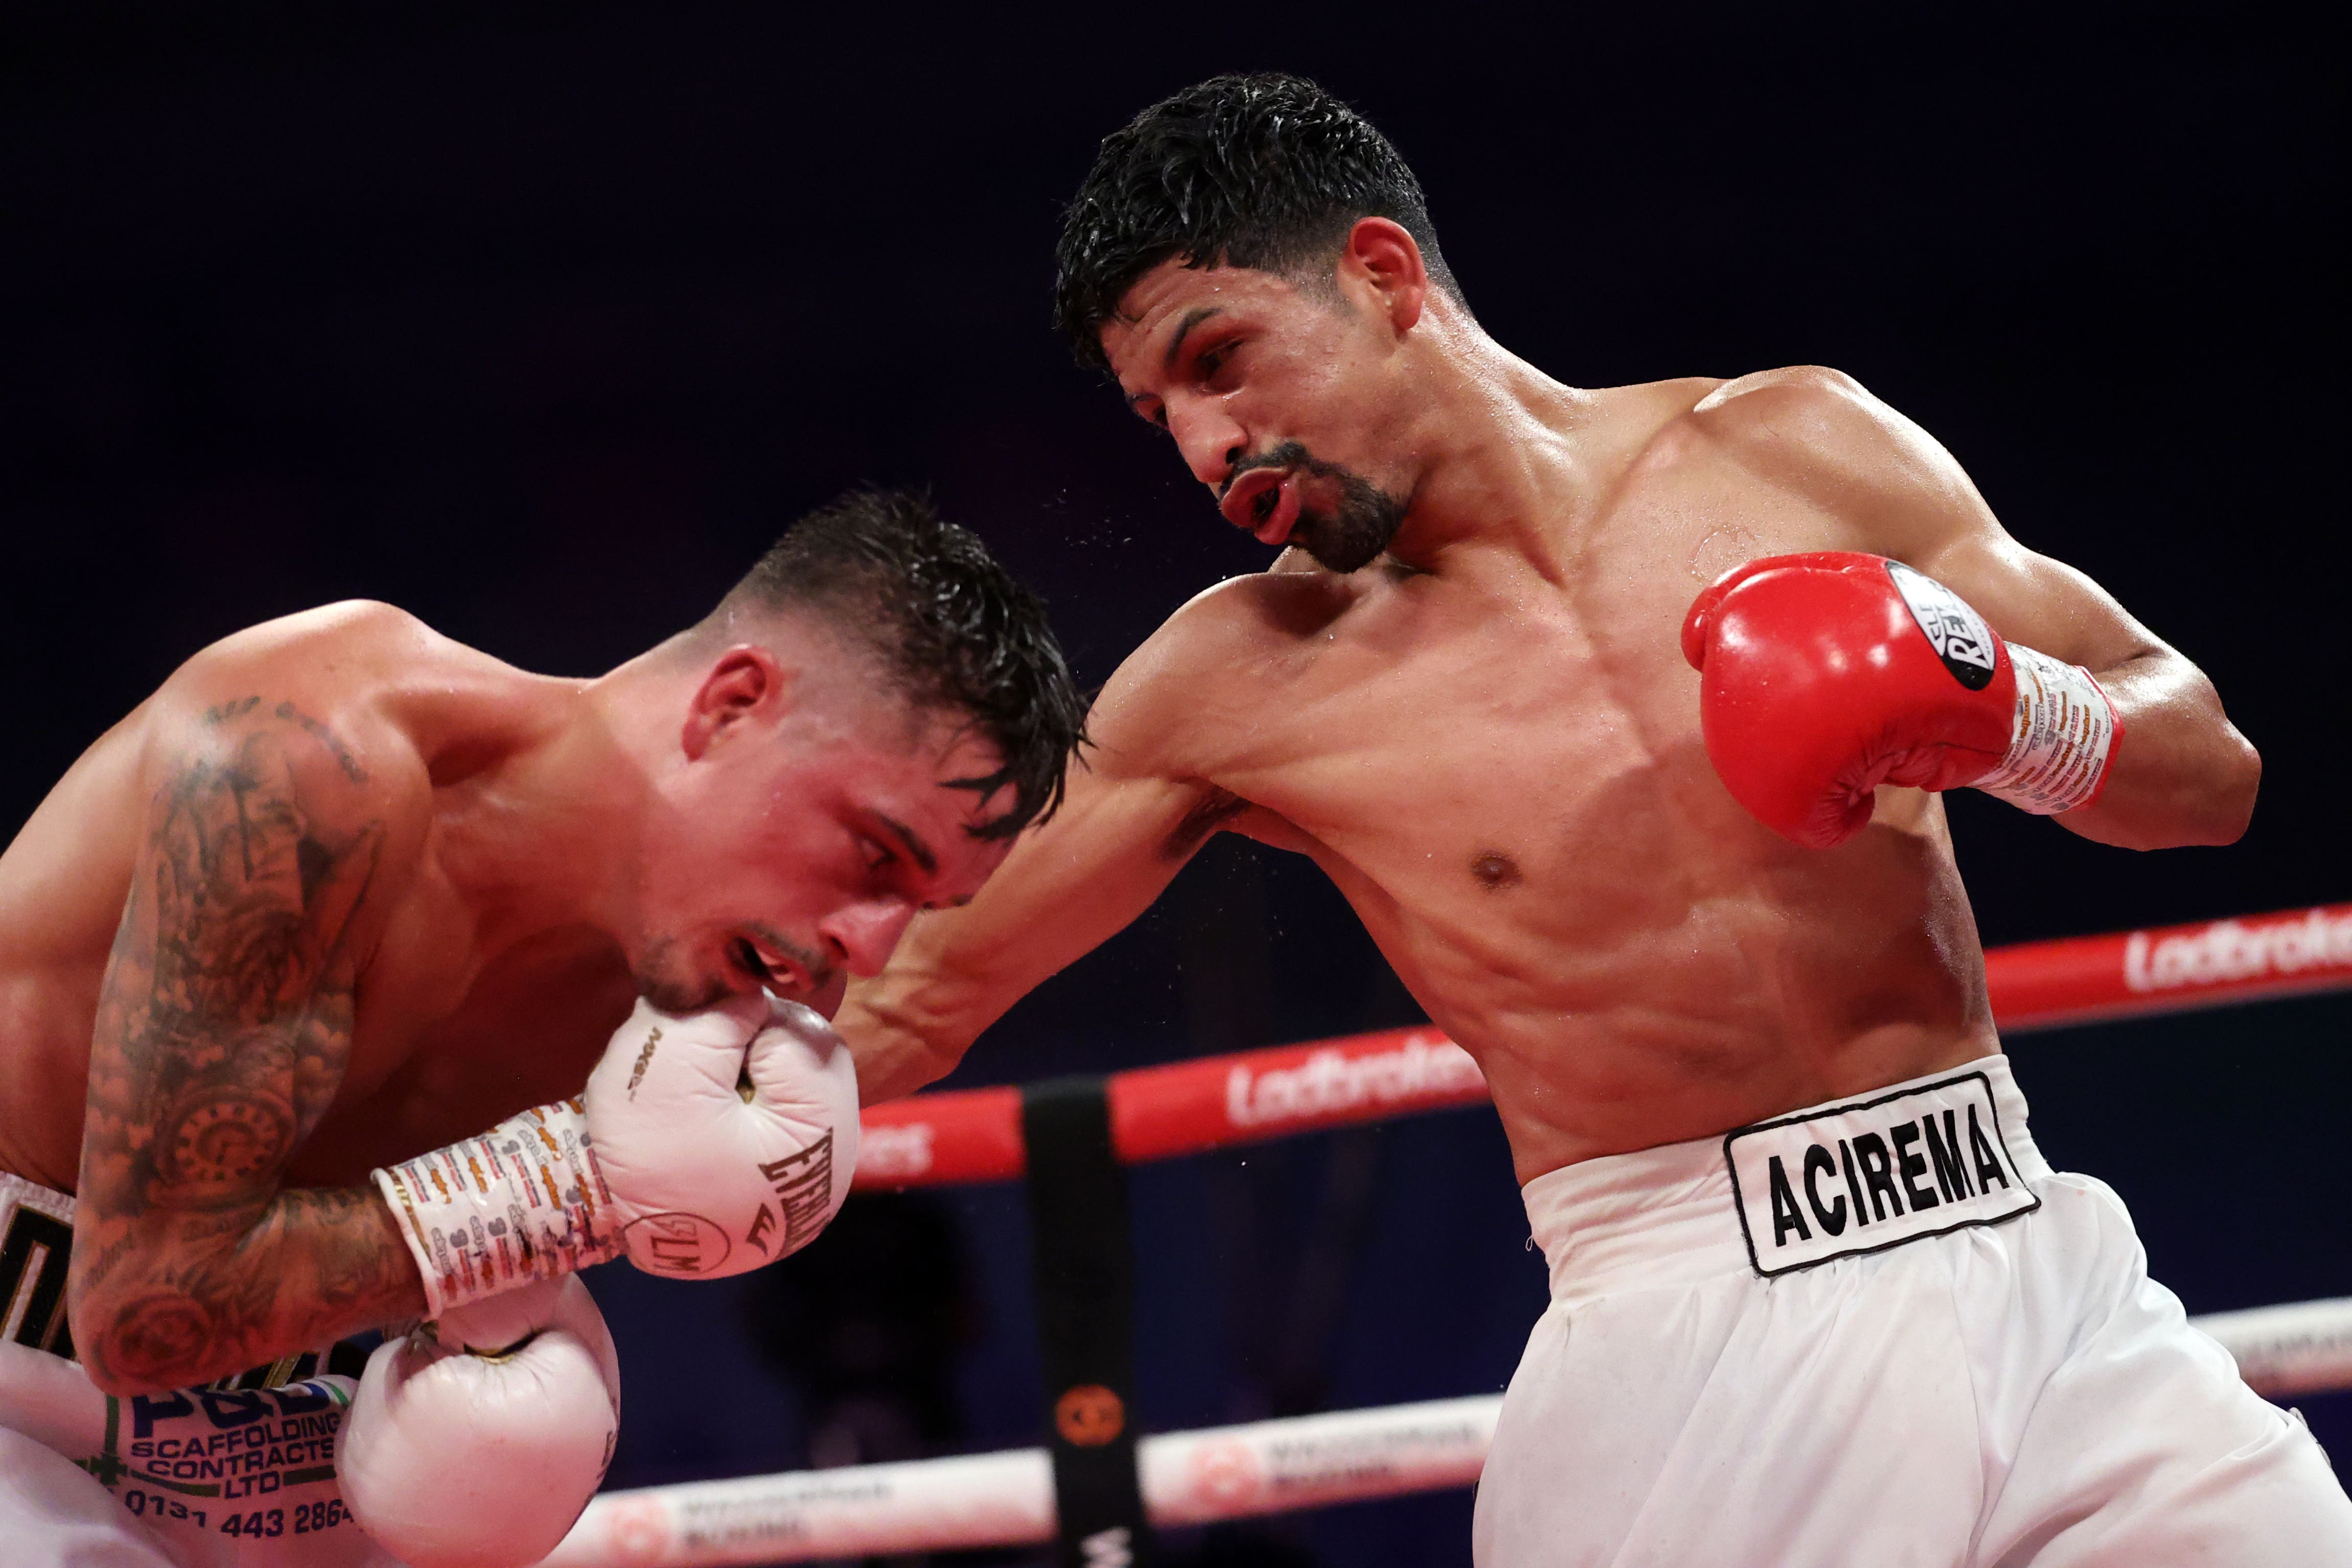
344	892
1489	739
440	1006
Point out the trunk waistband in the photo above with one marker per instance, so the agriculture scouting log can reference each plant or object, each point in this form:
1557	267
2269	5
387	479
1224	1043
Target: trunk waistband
1862	1173
36	1243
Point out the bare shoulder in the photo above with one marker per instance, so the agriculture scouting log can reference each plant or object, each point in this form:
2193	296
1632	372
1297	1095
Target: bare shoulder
305	706
341	642
1821	433
1214	656
1809	418
1806	403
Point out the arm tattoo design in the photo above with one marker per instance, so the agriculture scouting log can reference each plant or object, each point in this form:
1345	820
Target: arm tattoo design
223	1027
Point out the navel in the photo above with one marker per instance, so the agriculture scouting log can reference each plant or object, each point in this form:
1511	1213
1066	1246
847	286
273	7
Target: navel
1495	870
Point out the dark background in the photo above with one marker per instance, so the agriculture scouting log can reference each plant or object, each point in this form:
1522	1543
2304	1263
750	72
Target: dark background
541	324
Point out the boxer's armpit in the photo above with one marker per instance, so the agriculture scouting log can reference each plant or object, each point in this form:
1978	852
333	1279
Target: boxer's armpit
1215	808
224	1028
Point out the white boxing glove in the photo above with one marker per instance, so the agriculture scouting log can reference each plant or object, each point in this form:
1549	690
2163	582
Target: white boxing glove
706	1144
476	1441
720	1159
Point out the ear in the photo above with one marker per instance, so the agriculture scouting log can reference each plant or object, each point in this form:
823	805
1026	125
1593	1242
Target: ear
1381	259
745	683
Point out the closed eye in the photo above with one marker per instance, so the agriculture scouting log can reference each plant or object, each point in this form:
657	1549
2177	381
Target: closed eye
1215	367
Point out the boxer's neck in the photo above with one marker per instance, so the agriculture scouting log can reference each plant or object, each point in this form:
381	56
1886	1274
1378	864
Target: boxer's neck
538	833
1501	461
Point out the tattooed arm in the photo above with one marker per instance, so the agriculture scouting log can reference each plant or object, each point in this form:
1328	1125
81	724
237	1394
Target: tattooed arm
223	1031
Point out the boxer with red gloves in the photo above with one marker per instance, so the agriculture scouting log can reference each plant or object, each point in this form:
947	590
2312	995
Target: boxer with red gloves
1817	1301
1827	674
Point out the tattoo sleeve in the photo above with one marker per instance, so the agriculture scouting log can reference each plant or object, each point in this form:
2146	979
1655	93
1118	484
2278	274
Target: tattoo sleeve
223	1027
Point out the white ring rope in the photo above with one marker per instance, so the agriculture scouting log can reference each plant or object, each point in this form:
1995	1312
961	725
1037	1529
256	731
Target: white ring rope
1197	1477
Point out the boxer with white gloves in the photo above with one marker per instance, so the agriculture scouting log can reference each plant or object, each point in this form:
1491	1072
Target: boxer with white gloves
342	892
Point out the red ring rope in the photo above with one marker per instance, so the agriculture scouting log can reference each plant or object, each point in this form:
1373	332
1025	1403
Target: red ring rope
1189	1108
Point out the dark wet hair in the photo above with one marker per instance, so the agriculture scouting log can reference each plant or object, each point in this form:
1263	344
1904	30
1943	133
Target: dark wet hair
1265	171
949	625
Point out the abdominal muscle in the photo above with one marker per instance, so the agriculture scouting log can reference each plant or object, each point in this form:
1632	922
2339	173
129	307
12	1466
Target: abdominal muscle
1620	1006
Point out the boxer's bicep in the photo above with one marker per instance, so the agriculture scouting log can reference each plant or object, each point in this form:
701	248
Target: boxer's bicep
2035	600
1893	490
223	1027
2182	775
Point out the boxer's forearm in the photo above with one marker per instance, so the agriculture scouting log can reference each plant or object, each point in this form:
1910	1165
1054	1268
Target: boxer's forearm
173	1300
1067	887
897	1045
2182	773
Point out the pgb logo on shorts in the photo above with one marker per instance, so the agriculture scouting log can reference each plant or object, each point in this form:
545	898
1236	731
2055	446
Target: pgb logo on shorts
1956	632
1867	1176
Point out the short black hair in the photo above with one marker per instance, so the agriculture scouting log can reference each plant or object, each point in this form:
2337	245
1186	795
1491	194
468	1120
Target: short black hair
949	626
1265	170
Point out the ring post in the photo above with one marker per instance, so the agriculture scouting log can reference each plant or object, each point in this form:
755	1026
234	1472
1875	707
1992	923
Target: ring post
1085	1318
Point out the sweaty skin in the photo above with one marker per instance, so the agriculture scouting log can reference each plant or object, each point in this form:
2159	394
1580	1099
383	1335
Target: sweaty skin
344	892
1489	739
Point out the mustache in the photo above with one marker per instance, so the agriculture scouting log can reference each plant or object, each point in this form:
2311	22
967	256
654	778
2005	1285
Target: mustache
1288	455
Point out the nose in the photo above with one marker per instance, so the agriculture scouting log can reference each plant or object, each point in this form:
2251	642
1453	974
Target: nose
1212	439
865	934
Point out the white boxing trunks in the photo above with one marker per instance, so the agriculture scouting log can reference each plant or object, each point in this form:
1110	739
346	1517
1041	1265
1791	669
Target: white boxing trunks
241	1472
1882	1334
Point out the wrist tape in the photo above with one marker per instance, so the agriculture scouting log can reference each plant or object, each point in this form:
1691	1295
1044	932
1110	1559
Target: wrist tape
523	1201
2065	732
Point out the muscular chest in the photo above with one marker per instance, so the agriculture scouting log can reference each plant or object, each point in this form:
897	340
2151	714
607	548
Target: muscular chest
1518	731
443	1048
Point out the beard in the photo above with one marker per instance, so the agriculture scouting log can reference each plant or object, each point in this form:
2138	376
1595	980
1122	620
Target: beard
1351	535
669	979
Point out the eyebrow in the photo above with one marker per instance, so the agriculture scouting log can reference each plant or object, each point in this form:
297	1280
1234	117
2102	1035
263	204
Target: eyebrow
920	851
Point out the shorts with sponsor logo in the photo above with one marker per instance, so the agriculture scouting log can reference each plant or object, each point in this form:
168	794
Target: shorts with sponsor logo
240	1472
1881	1333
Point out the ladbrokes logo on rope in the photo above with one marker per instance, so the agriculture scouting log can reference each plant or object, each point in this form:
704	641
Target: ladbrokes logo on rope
1867	1176
1426	1066
2229	951
894	1152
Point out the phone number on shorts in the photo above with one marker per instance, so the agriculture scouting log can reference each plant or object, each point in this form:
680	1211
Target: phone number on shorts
310	1518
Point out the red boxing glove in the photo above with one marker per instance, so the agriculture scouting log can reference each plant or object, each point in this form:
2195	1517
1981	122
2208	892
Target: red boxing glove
1826	675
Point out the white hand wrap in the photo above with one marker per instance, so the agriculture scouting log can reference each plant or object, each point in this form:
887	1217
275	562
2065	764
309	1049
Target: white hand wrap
663	1157
2066	728
476	1441
522	1202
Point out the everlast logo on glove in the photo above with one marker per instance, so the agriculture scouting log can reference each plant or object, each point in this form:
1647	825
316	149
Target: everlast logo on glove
1956	632
803	1184
1867	1176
